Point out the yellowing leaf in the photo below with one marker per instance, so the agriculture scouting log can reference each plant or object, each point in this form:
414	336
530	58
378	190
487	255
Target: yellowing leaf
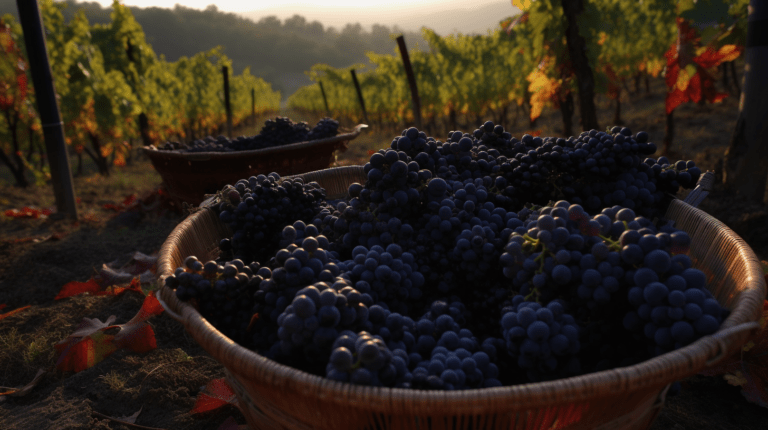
684	77
729	52
543	89
522	4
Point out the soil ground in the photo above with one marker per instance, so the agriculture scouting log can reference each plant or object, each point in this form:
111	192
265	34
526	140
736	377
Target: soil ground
164	382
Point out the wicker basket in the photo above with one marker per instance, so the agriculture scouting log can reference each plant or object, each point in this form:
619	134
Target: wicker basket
274	396
189	176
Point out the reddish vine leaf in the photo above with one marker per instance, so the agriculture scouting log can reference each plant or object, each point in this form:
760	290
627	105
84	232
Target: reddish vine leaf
748	368
216	394
137	335
116	278
127	202
74	288
687	77
87	346
13	312
29	212
93	341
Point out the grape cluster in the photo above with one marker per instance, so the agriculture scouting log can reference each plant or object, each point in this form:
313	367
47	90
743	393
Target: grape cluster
224	293
364	359
257	209
388	275
275	132
671	306
312	322
543	339
450	267
325	128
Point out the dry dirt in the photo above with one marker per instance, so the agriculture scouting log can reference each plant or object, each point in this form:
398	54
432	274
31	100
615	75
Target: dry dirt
164	383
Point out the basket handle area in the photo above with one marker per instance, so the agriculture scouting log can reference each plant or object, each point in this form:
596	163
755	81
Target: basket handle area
724	340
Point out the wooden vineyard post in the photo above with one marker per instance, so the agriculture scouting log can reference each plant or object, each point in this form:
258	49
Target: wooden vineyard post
359	95
747	155
225	72
253	105
411	81
325	99
48	107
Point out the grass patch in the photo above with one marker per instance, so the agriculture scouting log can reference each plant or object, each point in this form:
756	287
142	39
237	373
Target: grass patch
22	353
115	380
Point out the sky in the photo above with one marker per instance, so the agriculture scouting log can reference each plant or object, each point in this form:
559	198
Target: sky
473	16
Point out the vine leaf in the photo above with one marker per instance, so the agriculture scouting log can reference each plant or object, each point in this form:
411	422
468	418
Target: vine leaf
216	394
94	340
747	368
116	278
543	89
687	75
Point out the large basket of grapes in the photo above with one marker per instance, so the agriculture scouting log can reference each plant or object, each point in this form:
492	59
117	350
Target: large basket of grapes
190	175
300	387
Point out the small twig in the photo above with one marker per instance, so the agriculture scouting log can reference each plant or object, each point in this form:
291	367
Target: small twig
94	413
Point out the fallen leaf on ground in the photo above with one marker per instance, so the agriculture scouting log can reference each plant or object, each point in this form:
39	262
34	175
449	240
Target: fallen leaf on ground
13	312
93	341
747	368
23	391
116	278
137	264
127	202
29	212
214	395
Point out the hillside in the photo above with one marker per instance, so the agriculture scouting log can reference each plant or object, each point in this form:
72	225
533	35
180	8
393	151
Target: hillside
279	51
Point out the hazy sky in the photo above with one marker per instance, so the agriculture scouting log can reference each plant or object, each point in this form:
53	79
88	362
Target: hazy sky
409	15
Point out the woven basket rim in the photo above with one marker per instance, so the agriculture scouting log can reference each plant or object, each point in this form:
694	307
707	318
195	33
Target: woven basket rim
642	375
202	156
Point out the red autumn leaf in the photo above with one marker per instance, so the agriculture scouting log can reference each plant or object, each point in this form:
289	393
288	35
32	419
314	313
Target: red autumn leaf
91	342
748	367
85	347
28	212
687	77
13	312
74	288
136	334
216	394
128	201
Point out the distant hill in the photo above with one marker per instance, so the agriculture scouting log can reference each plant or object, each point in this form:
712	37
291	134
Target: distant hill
280	51
468	19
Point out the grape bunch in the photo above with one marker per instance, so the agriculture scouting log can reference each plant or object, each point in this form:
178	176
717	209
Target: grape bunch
325	128
364	359
276	131
224	293
543	339
259	208
312	322
388	275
